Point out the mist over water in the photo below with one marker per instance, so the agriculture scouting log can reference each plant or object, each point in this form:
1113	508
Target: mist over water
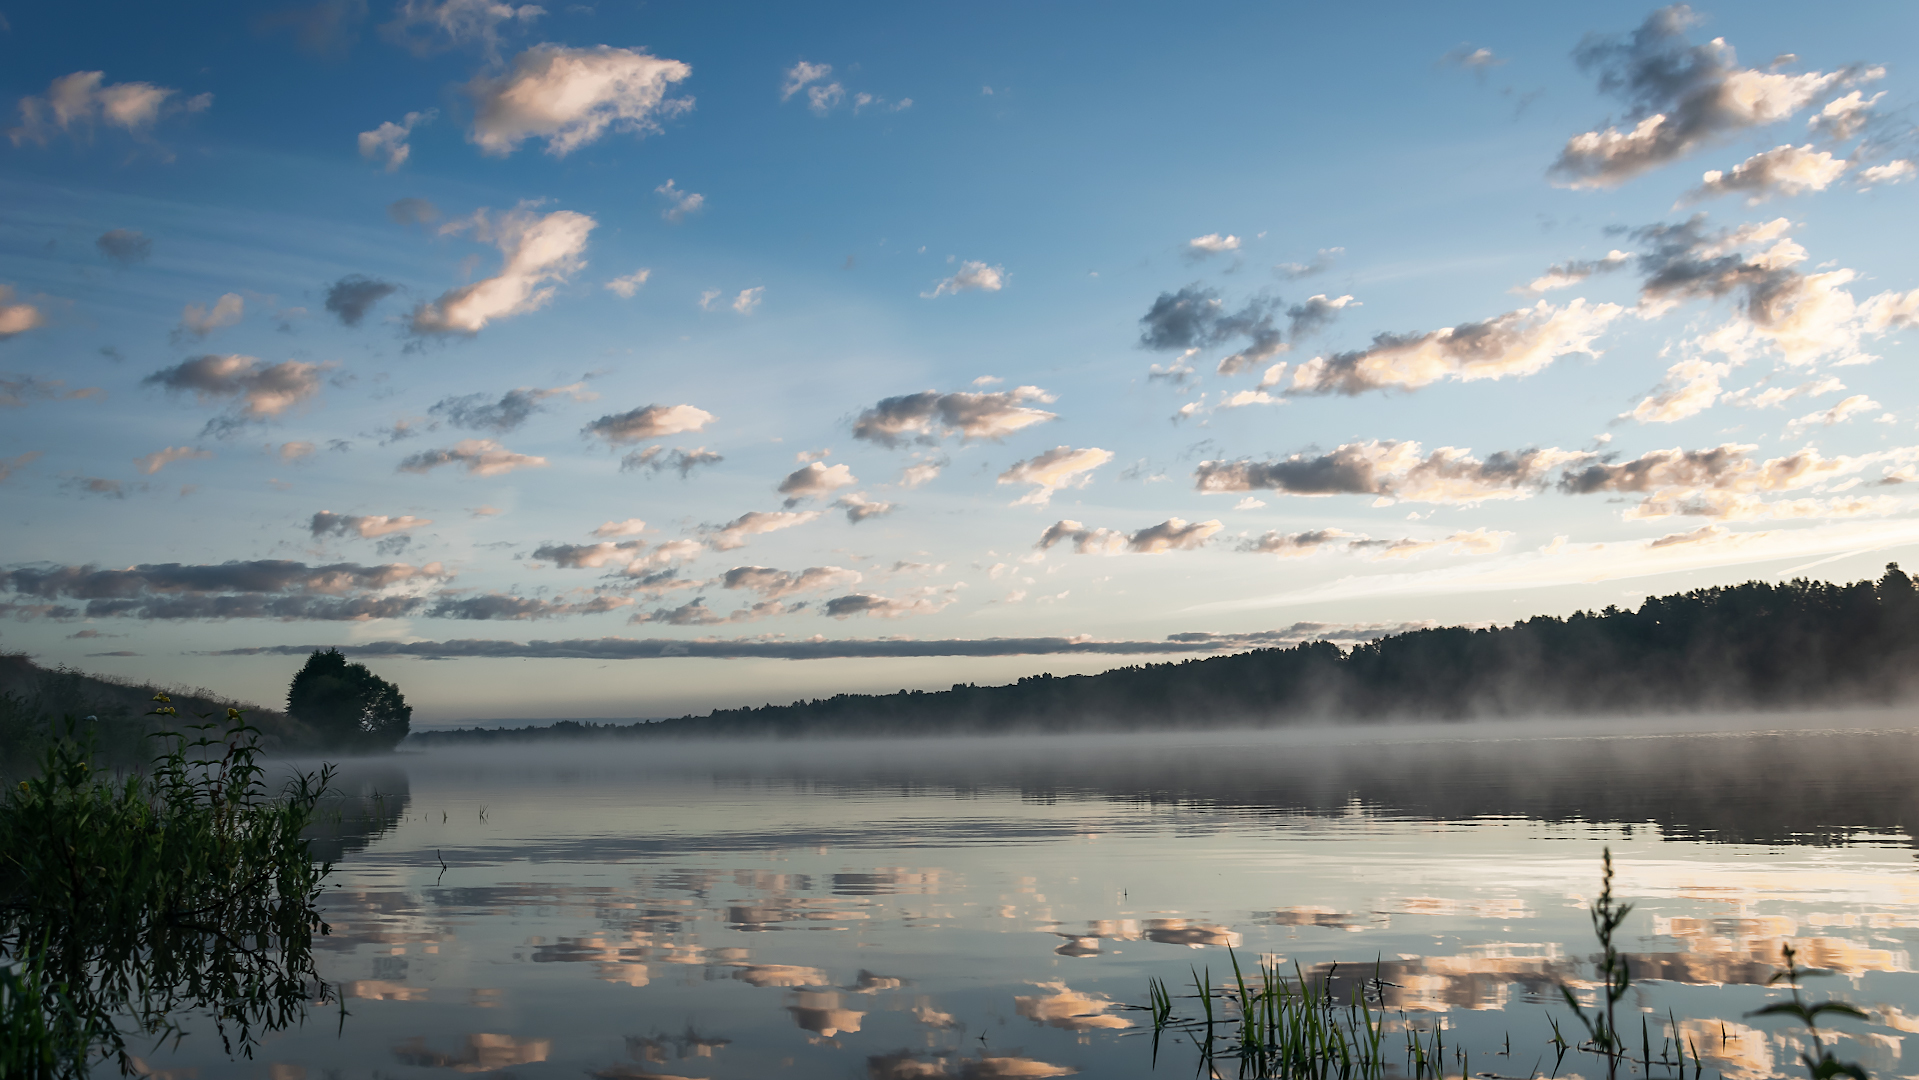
983	907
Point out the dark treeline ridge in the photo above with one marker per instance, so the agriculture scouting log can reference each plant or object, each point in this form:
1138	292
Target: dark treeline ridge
1757	645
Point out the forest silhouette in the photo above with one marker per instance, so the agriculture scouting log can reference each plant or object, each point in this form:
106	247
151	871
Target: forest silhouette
1757	645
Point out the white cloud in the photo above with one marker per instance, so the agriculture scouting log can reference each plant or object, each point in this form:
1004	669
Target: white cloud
1205	247
930	415
1690	387
368	527
648	422
679	203
17	318
1479	541
84	98
707	298
1774	397
858	507
733	534
200	321
629	527
973	276
1845	410
480	457
294	451
626	286
262	390
773	584
1173	534
822	98
814	480
1783	170
1723	482
1392	470
538	252
454	23
749	299
800	74
160	459
389	139
1892	172
924	472
1843	116
1060	467
1564	275
1517	343
570	97
926	600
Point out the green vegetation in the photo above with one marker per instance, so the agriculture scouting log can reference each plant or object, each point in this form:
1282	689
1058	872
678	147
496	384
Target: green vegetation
1757	645
347	705
130	904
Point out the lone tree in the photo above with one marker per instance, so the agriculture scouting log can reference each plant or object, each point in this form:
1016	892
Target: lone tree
347	705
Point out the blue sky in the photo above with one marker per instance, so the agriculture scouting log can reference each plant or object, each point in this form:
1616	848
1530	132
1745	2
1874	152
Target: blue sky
630	360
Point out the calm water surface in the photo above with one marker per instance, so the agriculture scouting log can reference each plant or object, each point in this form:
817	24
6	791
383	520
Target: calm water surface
978	909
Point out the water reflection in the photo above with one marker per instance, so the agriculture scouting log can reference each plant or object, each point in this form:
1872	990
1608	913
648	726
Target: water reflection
482	1053
906	1065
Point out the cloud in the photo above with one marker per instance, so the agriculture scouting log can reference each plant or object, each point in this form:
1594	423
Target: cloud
733	534
1195	317
593	556
17	318
707	299
1722	482
1473	59
1392	470
629	527
538	251
98	485
294	451
1060	467
1843	117
389	139
1296	545
814	480
626	286
200	321
570	97
1173	534
412	212
773	584
1562	275
858	507
930	416
922	601
1517	343
481	457
1205	247
17	390
160	459
125	246
351	297
1317	313
647	422
1845	410
497	605
327	29
749	299
682	461
84	99
1321	262
1690	387
973	276
255	589
9	466
1783	170
426	27
1892	172
367	527
259	390
924	472
1477	542
679	203
800	75
1682	97
476	412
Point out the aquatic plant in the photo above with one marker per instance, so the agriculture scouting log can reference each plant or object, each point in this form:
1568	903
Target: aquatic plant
1615	979
1824	1066
129	903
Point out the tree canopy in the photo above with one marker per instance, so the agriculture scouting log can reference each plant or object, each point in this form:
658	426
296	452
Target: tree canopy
347	705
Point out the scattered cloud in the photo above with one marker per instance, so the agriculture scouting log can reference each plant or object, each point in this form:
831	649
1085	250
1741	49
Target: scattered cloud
259	390
629	527
926	600
254	589
160	459
199	321
656	460
733	534
125	246
1844	116
498	605
1205	247
1195	317
1563	275
800	75
921	473
430	26
9	466
367	527
479	412
294	451
1475	59
647	422
1517	343
858	507
17	318
1392	470
1722	482
1060	467
480	457
389	140
973	276
1321	262
1783	170
80	101
539	252
1173	534
571	97
773	584
930	416
1682	97
1845	410
17	390
1690	387
1892	172
626	286
749	299
350	298
1295	545
679	203
815	480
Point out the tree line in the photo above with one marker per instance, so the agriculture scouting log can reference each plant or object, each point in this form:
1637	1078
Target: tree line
1757	645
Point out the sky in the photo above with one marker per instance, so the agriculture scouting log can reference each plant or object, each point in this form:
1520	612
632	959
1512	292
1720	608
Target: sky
626	360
